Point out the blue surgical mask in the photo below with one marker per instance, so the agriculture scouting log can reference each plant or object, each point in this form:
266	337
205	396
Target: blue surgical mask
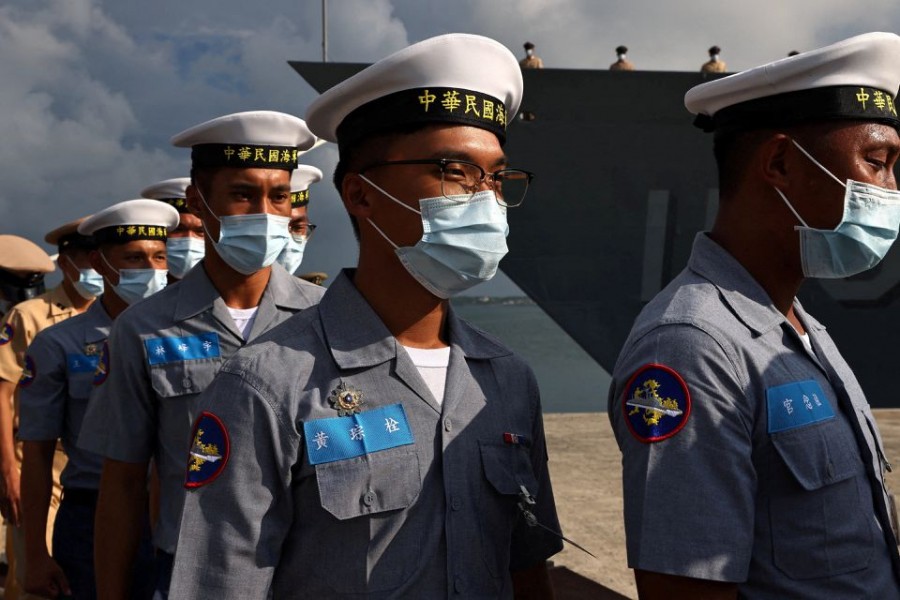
292	255
863	237
183	253
137	284
249	243
462	242
90	282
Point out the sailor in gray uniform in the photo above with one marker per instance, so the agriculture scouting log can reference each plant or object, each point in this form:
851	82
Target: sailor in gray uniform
59	373
752	464
377	445
164	354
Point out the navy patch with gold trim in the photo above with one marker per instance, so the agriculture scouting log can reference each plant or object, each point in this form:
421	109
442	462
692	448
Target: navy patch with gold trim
102	371
29	372
210	449
6	334
656	403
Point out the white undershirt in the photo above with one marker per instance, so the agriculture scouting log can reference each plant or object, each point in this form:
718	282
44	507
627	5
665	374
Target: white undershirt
432	366
807	344
243	318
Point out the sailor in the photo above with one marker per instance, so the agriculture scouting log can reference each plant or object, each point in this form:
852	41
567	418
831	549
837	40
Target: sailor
22	268
300	227
752	464
185	246
401	441
622	63
164	354
53	397
531	60
714	64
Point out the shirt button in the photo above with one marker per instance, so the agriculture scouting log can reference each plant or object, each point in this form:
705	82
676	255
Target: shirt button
459	584
187	383
455	503
369	498
448	424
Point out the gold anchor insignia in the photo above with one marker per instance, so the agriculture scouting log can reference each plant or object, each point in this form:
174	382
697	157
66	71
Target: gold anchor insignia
655	407
346	400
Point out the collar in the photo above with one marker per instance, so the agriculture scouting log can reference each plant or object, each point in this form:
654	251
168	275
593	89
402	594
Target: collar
98	323
59	300
743	294
196	292
359	339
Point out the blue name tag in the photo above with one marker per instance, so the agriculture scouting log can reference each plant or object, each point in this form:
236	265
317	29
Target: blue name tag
81	363
797	404
338	438
178	349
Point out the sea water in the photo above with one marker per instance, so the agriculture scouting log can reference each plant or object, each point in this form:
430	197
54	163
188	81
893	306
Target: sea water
570	380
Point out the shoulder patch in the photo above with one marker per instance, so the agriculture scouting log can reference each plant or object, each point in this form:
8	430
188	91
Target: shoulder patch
29	372
6	333
102	371
656	403
210	449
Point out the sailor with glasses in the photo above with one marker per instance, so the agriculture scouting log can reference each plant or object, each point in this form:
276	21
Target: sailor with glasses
378	445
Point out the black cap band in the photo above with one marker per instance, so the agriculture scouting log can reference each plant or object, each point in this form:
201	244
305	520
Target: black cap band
299	199
76	240
423	106
791	108
179	204
244	156
122	234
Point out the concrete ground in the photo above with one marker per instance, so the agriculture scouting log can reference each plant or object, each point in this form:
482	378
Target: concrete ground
585	467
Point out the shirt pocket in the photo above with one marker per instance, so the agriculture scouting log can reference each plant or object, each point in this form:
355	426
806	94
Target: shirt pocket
368	497
174	379
507	468
369	484
80	385
820	526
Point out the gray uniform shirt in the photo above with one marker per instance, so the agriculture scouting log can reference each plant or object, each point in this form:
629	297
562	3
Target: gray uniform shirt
163	352
432	518
53	397
771	475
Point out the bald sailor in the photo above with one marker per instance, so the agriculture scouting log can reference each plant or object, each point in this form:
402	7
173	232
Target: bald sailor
402	453
185	246
752	464
164	355
53	397
301	229
22	268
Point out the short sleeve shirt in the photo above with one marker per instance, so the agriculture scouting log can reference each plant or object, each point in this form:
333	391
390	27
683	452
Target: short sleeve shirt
344	477
161	354
62	360
746	458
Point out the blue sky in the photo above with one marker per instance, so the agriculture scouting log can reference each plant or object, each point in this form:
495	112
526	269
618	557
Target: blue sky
91	90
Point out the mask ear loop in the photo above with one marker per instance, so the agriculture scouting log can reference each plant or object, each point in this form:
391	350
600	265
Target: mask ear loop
817	163
410	208
796	214
214	216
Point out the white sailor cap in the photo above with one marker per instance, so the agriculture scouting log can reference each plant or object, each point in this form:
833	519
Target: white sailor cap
853	79
454	78
303	177
170	191
131	220
67	236
255	139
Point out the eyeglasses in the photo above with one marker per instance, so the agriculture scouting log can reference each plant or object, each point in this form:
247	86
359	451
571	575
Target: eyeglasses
460	179
301	230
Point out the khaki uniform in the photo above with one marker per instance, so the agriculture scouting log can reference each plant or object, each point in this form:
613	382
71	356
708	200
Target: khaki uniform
713	66
21	324
622	65
531	62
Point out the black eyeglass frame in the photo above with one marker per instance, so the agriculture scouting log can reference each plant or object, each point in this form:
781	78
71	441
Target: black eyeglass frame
443	163
310	230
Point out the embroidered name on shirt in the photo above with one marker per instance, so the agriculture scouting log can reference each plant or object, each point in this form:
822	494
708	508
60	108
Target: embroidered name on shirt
796	404
178	349
81	363
339	438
